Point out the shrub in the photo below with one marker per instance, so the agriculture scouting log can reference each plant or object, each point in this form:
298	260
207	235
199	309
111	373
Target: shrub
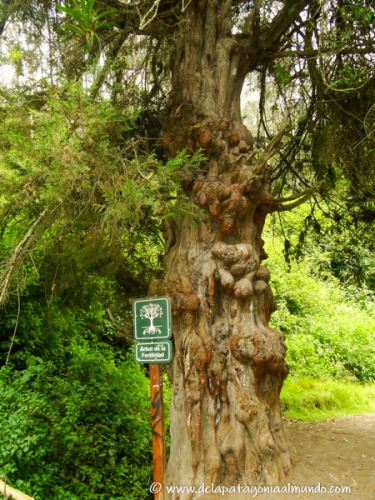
79	433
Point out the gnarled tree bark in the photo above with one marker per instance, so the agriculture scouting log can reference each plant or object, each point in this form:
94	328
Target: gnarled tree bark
229	365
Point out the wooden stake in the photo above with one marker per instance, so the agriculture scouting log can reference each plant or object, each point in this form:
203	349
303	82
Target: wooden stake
158	428
12	493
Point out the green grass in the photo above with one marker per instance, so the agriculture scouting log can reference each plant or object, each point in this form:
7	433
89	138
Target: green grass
306	398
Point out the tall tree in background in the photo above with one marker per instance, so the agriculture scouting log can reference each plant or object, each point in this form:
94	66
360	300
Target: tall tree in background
229	365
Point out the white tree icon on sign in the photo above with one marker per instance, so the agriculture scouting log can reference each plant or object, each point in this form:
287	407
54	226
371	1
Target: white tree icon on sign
151	311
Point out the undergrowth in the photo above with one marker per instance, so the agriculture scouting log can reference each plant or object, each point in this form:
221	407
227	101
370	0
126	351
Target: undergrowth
329	330
307	398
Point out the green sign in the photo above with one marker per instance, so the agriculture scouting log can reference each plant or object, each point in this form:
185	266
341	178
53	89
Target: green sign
153	352
152	319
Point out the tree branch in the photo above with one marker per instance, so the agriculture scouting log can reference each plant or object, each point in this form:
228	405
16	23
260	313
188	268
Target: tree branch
254	18
3	22
262	41
299	197
128	16
150	14
15	326
273	146
272	34
310	54
7	275
6	11
123	331
111	57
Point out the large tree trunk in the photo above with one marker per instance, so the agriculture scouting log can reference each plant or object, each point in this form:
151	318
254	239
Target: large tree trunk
229	366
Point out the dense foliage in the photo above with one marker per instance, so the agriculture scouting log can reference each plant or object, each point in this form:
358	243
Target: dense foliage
81	431
328	322
76	172
75	405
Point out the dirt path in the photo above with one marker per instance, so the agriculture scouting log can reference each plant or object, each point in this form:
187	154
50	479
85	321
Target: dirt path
339	452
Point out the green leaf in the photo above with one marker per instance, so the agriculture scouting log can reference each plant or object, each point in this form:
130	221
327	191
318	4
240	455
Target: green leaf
368	17
106	13
26	377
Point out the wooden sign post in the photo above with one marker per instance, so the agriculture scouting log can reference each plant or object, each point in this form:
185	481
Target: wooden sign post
158	429
152	329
